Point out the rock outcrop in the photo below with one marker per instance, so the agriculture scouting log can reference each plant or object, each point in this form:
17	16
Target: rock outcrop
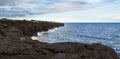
28	28
15	43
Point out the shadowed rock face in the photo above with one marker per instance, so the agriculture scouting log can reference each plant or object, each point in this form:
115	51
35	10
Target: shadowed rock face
15	43
28	28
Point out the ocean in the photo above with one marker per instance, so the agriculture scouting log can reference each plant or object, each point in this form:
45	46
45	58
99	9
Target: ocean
105	33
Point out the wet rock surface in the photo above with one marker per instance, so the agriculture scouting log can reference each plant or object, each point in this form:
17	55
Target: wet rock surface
15	43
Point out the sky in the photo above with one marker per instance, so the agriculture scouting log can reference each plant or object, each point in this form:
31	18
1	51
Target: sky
62	10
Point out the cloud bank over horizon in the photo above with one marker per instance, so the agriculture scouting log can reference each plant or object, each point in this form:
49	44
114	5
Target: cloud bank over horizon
61	10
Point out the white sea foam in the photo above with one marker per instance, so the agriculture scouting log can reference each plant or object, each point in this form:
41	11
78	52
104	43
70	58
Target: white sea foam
34	38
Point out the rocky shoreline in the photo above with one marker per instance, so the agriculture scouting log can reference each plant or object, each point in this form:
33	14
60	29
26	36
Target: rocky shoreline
16	43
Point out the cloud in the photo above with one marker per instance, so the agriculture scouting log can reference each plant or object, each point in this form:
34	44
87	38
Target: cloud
22	8
94	1
14	8
15	12
66	6
11	2
31	7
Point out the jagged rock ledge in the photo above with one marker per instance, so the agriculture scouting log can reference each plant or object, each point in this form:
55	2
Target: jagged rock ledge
15	43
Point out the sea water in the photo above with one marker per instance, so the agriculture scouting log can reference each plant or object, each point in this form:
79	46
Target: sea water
105	33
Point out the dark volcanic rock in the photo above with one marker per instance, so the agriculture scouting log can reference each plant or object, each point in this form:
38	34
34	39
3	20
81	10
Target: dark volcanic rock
15	43
68	50
28	28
